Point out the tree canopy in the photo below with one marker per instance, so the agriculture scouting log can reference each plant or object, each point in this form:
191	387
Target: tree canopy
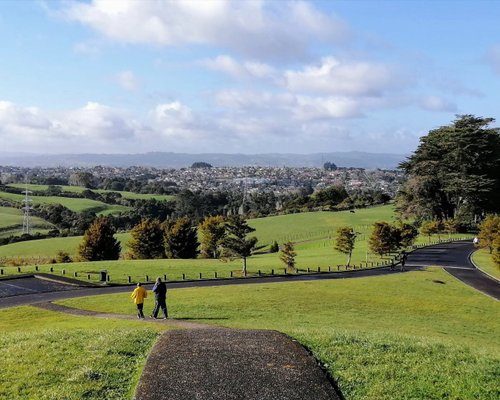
99	243
455	171
147	240
236	242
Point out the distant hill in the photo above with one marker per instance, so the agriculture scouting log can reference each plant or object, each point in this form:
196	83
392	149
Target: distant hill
179	160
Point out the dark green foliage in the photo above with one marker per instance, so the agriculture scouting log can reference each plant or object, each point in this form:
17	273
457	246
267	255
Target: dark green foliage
329	166
99	243
181	239
274	248
454	172
201	164
384	238
147	240
63	257
236	242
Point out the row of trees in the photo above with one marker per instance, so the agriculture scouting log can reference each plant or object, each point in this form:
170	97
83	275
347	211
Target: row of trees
151	239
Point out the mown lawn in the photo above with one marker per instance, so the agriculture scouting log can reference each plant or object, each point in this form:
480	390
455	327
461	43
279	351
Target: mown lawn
47	355
482	258
419	335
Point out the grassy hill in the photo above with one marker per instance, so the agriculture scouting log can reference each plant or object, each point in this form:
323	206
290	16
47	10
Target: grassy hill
77	205
79	189
11	222
419	335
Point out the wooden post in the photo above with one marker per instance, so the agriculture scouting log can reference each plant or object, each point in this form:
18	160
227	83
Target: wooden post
200	275
308	269
109	278
319	269
88	277
1	271
63	271
51	269
164	278
36	267
76	274
129	279
259	273
183	276
147	278
215	274
272	272
18	269
230	274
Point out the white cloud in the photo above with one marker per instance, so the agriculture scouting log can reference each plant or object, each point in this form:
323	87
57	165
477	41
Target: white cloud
127	80
241	70
259	29
346	78
436	103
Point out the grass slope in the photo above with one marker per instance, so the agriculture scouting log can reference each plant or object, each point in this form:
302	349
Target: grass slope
11	222
77	205
482	258
80	189
48	355
419	335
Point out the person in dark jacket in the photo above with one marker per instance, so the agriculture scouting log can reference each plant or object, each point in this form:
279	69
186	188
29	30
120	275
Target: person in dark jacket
160	291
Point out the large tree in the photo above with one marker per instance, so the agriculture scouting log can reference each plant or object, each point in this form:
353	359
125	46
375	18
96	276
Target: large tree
99	243
345	240
212	232
455	171
147	240
385	238
236	242
489	232
181	239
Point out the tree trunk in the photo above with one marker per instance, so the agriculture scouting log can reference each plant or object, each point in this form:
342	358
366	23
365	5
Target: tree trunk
244	266
349	258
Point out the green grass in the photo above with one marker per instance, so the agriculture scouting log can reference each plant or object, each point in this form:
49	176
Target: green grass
77	205
11	222
419	335
80	189
482	258
47	355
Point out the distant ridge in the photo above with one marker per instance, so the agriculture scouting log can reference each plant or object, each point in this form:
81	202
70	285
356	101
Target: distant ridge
180	160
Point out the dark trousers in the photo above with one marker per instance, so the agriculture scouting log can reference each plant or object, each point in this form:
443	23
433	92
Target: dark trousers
140	314
160	303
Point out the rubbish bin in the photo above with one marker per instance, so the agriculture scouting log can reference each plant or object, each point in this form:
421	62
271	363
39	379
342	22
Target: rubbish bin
104	275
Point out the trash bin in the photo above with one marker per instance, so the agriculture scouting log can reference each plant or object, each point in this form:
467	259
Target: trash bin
104	275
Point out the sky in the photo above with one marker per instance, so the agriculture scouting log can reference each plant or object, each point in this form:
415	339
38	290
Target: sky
237	76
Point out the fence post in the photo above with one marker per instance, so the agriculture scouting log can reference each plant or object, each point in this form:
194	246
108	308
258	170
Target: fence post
147	278
215	274
129	279
230	274
259	273
183	276
51	269
36	267
18	269
319	269
272	272
88	277
164	278
1	271
109	278
63	271
76	274
200	275
308	269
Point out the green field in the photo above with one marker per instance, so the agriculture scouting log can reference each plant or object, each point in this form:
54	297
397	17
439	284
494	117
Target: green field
80	189
77	205
11	222
419	335
482	258
47	355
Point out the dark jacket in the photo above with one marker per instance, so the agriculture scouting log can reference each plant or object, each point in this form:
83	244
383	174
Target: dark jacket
160	291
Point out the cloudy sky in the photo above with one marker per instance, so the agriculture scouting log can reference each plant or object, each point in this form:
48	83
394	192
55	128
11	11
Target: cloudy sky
242	76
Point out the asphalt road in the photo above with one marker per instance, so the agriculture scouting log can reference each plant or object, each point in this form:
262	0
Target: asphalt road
453	257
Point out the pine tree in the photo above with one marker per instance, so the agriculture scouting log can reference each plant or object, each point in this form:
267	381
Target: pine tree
147	240
99	243
236	242
212	232
181	239
288	255
345	240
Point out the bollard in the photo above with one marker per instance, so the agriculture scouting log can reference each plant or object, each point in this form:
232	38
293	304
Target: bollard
109	278
308	269
51	269
259	273
129	279
319	269
284	271
183	276
215	274
88	277
272	272
164	278
230	274
329	269
200	275
338	267
147	278
1	271
18	269
36	267
63	272
76	274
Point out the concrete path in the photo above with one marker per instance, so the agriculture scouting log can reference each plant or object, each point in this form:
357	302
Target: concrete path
224	364
455	259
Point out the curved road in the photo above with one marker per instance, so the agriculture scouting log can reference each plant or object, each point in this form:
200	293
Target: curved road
453	257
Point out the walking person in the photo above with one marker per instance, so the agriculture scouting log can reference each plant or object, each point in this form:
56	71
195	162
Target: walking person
160	291
139	294
404	256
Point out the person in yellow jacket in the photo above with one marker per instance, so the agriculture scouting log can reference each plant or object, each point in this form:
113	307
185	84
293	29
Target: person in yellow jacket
139	294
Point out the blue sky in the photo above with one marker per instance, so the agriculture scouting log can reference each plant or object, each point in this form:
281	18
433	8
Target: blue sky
242	76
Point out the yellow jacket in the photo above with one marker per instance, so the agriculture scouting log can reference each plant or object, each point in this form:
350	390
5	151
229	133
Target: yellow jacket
139	294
